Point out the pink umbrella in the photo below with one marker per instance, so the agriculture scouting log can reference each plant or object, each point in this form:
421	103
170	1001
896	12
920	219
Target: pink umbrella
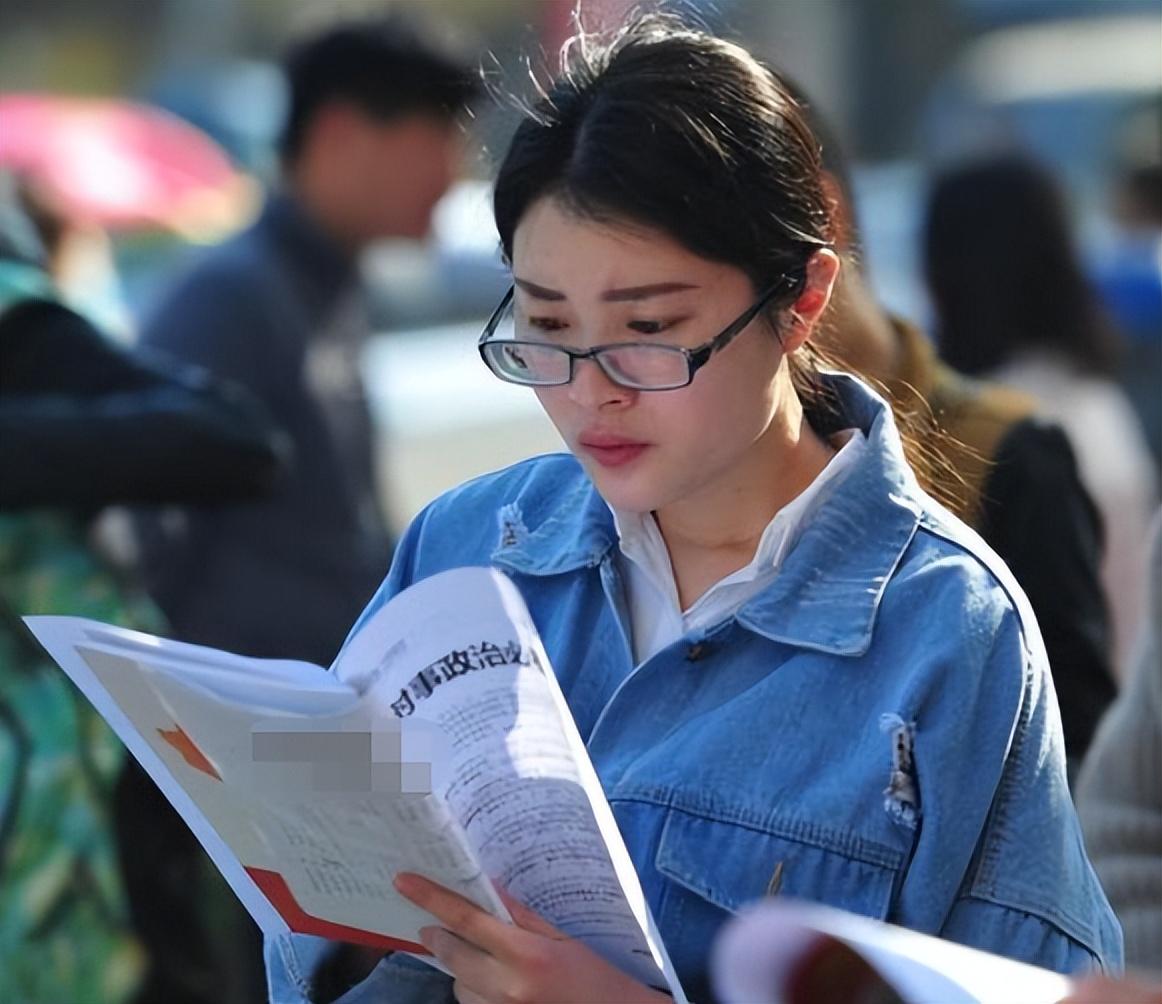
121	164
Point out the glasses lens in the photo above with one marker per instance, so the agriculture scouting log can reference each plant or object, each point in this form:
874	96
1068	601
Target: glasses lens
512	352
519	348
521	362
647	367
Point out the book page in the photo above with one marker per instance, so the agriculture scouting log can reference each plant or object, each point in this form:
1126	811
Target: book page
760	956
441	744
306	841
460	651
113	686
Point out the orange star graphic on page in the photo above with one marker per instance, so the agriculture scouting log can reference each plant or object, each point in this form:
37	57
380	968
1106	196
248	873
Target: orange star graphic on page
181	742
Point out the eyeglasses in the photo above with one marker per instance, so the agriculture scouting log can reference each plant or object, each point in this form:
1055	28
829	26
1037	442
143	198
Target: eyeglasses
636	365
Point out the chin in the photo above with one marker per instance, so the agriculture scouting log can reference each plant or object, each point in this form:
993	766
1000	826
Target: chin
627	494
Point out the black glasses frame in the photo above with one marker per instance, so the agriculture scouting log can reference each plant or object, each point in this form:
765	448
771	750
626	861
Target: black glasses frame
696	357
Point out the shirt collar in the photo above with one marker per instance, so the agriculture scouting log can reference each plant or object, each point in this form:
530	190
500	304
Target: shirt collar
832	580
641	542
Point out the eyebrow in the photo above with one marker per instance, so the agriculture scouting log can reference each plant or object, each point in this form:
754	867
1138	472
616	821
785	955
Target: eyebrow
626	294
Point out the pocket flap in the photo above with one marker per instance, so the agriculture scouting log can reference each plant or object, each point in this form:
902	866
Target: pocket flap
729	865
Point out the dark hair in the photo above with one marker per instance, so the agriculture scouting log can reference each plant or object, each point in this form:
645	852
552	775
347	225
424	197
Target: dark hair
387	67
833	160
666	126
669	127
1003	272
928	446
1141	188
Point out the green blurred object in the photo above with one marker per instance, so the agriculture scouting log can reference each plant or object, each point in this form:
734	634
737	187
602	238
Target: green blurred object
64	934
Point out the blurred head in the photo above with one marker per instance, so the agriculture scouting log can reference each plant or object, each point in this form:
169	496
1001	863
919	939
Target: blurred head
1139	198
661	187
1002	270
372	137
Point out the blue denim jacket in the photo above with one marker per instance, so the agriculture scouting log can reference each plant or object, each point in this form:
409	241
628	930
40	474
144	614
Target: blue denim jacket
876	731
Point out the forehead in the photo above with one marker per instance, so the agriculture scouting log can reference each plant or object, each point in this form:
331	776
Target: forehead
555	247
419	132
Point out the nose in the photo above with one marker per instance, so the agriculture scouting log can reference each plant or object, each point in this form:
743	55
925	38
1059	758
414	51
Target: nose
592	389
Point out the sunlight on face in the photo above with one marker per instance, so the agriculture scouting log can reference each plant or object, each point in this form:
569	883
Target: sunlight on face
582	284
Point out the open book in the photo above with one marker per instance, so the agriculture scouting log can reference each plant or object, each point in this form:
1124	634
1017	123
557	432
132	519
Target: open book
788	952
440	743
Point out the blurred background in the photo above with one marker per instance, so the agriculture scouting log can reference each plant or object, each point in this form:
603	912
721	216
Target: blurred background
909	85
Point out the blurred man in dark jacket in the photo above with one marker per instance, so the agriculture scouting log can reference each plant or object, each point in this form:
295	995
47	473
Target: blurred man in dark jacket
371	142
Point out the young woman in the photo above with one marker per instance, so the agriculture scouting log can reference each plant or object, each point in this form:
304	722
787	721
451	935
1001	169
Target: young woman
794	671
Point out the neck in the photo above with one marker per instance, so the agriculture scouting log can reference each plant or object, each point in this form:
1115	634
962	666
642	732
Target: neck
718	532
324	205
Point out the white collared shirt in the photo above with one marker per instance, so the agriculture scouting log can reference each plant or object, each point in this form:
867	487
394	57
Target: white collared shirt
656	616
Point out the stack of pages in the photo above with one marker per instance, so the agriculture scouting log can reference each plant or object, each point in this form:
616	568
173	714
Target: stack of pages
439	743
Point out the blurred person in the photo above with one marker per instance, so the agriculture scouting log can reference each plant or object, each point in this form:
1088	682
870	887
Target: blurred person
372	140
1011	304
793	671
83	425
1010	474
1139	197
79	259
1129	276
1119	793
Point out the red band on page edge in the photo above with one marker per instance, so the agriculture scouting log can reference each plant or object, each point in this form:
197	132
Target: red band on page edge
275	889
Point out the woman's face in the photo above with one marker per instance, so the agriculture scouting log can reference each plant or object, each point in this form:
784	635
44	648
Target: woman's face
583	284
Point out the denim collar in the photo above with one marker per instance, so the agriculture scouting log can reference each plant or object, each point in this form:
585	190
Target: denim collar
829	589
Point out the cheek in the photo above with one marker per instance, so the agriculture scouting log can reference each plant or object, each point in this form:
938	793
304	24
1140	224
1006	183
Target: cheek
732	403
554	402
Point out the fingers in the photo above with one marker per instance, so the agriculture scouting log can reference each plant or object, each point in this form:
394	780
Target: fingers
459	915
1102	989
476	971
493	960
528	919
466	996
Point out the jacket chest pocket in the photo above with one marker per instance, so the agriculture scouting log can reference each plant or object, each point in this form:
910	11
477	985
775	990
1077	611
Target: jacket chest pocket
713	868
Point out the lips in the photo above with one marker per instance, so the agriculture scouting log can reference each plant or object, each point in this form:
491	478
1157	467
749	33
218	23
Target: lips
611	451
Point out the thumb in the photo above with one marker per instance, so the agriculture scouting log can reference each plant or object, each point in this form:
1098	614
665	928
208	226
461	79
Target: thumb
526	919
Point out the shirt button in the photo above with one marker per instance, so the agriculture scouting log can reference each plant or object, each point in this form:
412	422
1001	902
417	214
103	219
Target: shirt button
695	651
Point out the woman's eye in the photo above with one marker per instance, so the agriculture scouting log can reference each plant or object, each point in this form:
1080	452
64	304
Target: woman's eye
546	323
648	327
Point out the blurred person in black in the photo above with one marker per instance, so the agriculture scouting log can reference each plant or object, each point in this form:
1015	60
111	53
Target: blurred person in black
1008	473
372	140
1013	305
84	425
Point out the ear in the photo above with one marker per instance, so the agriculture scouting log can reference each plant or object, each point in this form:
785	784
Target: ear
822	271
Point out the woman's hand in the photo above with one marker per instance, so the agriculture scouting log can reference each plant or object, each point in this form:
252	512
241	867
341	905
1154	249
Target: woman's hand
527	962
1106	990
